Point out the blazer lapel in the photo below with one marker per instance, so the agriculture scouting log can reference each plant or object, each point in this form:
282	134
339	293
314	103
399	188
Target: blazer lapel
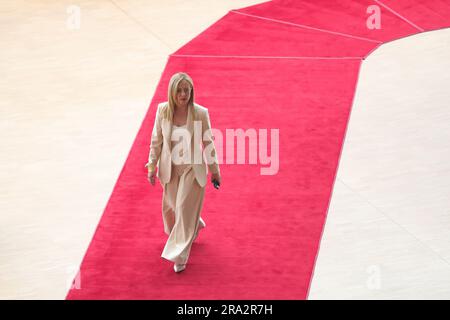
190	121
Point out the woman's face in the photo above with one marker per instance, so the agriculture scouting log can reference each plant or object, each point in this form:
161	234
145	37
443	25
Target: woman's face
183	93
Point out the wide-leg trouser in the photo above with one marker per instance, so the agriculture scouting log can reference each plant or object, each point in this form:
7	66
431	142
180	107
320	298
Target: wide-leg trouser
181	207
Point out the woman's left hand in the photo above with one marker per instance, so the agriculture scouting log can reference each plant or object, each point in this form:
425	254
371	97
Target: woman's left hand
216	176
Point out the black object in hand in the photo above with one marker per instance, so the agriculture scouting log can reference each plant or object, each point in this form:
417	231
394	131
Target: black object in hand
216	184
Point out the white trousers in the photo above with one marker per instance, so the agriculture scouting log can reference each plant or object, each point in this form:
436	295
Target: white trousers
181	206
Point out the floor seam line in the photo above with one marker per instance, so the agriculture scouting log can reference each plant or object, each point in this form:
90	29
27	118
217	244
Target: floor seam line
309	27
140	24
399	15
265	57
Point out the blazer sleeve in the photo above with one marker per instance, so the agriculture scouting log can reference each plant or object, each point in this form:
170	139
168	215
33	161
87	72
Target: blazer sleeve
208	139
156	140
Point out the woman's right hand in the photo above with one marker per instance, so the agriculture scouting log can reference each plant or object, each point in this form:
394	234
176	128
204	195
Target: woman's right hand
151	177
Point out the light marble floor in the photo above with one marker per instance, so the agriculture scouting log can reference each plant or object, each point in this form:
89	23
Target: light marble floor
387	231
64	87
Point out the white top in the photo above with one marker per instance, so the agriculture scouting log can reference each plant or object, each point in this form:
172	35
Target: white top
174	128
179	167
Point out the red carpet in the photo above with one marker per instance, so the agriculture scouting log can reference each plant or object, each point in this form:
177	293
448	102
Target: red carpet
263	231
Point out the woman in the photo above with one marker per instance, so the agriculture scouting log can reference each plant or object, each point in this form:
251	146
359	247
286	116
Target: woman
182	171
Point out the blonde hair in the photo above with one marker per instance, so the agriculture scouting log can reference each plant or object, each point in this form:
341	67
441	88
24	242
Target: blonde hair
174	82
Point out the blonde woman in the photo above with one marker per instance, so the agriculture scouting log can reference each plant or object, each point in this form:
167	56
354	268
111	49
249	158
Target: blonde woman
181	127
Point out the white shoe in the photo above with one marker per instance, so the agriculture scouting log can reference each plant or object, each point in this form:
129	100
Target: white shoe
179	267
201	225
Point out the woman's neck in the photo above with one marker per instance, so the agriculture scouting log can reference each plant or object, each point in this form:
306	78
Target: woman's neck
181	108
